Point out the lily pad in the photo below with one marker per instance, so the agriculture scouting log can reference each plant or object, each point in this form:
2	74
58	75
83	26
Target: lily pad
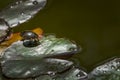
72	74
19	61
21	11
34	68
109	70
50	47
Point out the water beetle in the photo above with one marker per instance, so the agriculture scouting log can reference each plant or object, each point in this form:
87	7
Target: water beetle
30	39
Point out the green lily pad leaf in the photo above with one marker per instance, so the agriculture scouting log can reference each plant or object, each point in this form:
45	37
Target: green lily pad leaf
21	11
19	61
50	46
72	74
34	68
108	71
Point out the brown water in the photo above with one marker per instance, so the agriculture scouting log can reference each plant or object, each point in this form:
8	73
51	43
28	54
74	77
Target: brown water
93	24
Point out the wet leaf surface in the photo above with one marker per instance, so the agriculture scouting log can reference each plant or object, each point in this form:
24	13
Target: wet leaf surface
34	68
109	70
72	74
19	61
21	11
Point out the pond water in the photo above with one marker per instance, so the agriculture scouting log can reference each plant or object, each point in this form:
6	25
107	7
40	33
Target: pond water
94	25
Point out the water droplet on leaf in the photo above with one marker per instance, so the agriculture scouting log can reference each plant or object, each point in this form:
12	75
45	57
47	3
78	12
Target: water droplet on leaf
71	49
35	2
17	3
51	73
11	6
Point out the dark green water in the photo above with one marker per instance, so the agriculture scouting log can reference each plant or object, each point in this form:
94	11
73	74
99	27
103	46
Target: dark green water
93	24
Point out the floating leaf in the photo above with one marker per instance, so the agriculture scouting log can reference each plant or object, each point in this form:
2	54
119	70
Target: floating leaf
20	11
19	61
72	74
108	71
34	68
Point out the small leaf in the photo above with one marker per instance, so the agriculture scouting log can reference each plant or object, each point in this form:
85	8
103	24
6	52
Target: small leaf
109	70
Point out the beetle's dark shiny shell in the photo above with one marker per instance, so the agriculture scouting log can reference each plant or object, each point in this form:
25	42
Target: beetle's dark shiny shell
28	35
30	43
30	39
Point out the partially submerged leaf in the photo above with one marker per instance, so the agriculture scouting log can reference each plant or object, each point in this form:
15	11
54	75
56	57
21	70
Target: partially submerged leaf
109	70
50	47
21	11
72	74
19	61
34	68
